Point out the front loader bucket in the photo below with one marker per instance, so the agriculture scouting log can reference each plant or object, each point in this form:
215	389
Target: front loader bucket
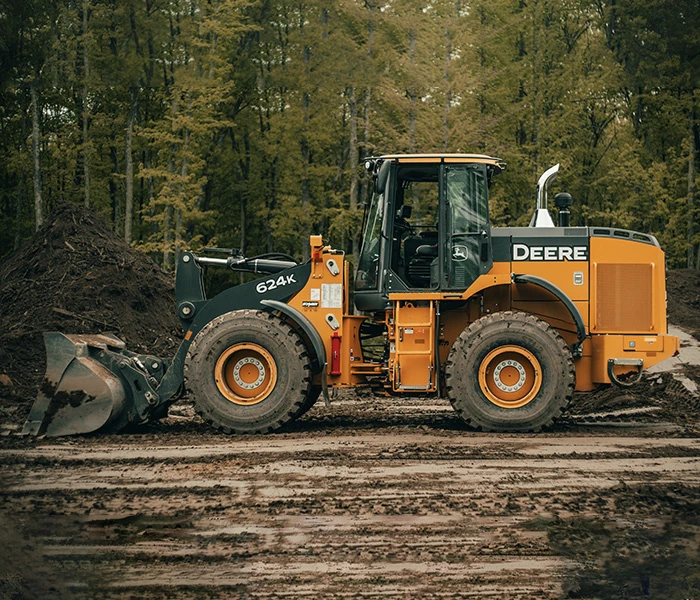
78	394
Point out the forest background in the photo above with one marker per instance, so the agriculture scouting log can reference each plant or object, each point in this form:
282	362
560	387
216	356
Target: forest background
244	122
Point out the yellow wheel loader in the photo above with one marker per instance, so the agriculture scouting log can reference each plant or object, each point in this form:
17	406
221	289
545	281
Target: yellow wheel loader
506	322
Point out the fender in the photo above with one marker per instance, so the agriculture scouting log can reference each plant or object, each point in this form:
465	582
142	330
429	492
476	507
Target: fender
566	301
318	359
190	293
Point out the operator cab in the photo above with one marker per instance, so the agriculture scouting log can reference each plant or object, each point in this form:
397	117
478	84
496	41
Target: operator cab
427	225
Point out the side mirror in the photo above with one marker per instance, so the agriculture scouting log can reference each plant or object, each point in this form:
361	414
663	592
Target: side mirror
382	176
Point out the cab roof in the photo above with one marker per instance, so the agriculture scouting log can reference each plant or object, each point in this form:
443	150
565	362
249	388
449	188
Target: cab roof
497	163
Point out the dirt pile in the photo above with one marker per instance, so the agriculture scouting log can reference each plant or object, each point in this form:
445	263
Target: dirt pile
683	290
76	276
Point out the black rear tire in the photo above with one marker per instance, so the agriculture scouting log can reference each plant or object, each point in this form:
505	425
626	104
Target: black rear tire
510	372
248	372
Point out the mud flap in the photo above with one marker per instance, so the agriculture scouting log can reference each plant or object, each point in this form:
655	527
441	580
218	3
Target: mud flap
78	394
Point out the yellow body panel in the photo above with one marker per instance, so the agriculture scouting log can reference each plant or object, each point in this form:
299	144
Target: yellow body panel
621	277
627	317
606	347
325	302
412	347
628	283
562	274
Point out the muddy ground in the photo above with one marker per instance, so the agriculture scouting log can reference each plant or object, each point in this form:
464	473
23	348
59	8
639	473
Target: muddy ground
368	498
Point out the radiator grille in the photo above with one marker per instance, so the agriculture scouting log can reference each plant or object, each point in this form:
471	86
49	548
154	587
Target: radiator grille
624	298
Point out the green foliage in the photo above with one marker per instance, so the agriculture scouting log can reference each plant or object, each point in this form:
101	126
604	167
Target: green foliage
244	120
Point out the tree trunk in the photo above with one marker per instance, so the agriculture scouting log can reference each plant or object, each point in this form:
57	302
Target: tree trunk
242	238
245	172
167	237
368	100
86	112
150	192
536	64
412	110
36	150
20	184
354	176
113	185
169	209
305	161
446	83
305	184
178	232
129	168
691	192
18	212
272	204
183	178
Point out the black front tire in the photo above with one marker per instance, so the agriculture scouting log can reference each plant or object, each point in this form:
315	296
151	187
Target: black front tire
268	345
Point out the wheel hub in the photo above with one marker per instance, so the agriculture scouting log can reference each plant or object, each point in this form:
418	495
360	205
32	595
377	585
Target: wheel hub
249	373
510	376
245	374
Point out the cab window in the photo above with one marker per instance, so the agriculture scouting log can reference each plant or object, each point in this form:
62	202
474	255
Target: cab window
415	231
466	191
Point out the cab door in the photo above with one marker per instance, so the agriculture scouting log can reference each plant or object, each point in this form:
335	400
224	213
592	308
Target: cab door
467	232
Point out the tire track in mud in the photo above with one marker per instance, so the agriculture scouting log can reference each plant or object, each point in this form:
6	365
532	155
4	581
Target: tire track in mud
346	512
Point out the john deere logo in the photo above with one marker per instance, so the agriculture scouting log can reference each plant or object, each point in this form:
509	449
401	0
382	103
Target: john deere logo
460	252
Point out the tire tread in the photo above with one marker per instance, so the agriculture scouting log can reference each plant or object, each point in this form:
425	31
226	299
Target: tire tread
468	339
277	329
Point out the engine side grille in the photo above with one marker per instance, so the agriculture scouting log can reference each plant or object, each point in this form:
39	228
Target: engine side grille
624	298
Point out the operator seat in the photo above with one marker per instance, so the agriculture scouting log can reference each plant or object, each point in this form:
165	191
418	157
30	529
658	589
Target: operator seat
418	266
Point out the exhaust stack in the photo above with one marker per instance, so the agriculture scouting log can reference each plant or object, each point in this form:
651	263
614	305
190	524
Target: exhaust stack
542	218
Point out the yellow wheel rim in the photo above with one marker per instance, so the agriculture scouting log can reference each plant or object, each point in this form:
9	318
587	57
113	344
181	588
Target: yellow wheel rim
245	374
510	376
